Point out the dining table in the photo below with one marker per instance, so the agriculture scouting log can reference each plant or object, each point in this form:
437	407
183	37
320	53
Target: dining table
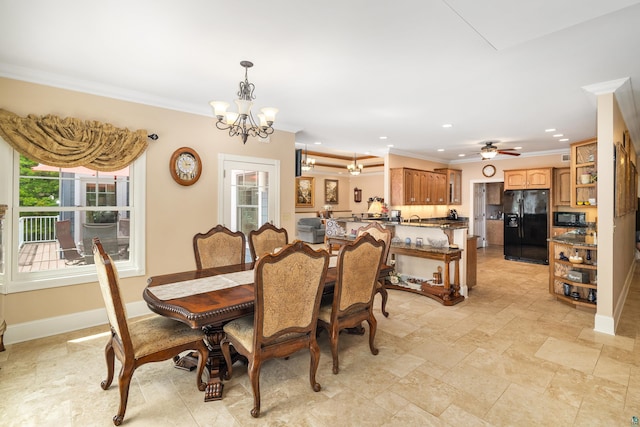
209	298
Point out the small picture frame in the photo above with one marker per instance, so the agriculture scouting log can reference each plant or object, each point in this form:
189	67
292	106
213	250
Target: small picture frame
331	191
305	192
419	242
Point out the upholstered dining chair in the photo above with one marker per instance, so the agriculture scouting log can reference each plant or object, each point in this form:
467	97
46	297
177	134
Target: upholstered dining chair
384	234
151	339
357	268
288	289
219	246
266	239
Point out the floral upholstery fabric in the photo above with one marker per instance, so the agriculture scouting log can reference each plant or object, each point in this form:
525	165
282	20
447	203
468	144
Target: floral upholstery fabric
156	333
267	241
220	249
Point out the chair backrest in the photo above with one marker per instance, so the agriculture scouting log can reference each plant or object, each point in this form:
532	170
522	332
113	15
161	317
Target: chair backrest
218	246
65	239
380	233
358	268
110	288
288	289
265	239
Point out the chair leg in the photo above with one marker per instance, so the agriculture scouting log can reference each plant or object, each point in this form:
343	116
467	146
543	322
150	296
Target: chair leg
109	356
224	347
124	381
385	296
314	351
334	333
254	376
373	325
202	360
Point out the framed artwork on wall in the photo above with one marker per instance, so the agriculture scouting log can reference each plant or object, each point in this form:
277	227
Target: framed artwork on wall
304	192
331	191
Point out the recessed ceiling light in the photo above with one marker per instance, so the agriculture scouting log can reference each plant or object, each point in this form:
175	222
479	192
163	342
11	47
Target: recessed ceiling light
550	130
440	149
389	145
383	137
461	155
447	125
318	143
563	139
558	135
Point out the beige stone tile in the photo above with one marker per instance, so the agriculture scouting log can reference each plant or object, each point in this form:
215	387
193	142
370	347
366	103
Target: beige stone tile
521	406
612	370
569	354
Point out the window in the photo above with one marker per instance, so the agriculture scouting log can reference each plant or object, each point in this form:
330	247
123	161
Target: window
57	212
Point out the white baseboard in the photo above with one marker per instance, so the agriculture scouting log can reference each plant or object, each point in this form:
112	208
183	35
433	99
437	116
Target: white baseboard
71	322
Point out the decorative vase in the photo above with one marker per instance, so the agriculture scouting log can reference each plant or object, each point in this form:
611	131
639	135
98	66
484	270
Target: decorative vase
592	297
585	178
566	288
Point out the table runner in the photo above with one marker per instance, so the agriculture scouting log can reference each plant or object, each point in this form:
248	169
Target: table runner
208	284
200	286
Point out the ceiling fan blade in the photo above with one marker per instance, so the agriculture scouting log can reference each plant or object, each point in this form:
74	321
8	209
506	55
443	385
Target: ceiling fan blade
508	152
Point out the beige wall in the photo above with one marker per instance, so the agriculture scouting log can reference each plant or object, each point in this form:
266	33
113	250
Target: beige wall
616	235
173	213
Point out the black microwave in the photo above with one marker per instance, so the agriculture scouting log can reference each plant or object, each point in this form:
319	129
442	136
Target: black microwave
570	219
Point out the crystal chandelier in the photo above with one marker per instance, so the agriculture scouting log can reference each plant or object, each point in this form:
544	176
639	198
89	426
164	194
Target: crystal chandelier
355	168
307	163
242	123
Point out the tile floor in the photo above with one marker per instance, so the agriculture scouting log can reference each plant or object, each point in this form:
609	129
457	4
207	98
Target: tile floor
509	355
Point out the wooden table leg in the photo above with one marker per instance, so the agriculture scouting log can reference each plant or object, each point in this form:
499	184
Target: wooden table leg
215	363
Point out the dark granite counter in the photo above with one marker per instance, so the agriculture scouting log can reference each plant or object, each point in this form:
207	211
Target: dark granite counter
573	238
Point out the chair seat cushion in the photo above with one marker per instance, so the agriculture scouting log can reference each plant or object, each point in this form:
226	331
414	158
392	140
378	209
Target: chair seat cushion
325	312
156	333
242	331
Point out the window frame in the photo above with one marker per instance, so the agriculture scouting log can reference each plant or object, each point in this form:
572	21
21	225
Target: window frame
14	281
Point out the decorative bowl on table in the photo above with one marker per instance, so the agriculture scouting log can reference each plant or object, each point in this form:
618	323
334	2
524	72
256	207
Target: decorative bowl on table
438	243
576	259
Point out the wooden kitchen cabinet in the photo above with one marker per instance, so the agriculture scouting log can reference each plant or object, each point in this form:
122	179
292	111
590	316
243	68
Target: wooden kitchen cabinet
495	232
453	185
405	186
417	187
584	162
562	186
494	193
527	179
438	188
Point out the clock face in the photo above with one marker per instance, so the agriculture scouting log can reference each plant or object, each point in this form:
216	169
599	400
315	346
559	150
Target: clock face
185	166
489	171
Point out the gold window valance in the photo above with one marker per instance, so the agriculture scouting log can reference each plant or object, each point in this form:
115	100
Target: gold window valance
71	142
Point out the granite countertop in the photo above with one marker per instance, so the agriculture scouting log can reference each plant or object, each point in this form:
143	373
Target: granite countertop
462	222
572	239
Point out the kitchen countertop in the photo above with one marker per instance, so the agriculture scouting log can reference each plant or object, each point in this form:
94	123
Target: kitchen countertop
572	238
424	222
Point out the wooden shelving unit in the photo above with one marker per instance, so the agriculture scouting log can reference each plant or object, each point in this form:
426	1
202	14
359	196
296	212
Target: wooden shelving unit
558	270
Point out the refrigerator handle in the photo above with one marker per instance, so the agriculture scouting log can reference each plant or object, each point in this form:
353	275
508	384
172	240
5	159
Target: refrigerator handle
520	212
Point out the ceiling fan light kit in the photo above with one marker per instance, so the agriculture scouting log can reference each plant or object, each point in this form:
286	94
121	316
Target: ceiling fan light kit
489	151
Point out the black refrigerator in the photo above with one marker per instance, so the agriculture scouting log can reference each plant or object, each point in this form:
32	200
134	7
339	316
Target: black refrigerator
526	217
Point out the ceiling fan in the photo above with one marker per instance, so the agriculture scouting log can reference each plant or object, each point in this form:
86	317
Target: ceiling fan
489	151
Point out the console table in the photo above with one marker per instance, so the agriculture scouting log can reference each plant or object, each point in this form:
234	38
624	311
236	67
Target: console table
448	294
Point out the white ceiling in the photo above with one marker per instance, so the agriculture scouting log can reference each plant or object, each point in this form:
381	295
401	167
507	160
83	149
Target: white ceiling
345	73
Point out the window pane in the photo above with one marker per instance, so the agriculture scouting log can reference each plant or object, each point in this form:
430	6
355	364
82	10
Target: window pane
63	209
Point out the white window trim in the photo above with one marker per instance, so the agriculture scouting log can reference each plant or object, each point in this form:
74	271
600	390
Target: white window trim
14	281
222	157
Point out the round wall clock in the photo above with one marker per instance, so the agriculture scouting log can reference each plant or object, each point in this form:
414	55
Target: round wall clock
185	166
489	171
